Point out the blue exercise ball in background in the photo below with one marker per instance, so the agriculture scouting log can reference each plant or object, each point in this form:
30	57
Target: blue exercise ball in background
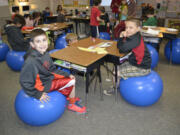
154	56
142	90
31	111
61	42
69	31
15	60
3	51
53	50
65	70
104	35
175	51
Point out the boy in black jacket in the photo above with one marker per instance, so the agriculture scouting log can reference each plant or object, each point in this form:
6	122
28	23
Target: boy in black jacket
40	76
14	35
139	60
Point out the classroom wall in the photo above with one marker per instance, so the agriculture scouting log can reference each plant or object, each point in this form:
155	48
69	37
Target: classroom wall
4	13
54	4
38	5
167	9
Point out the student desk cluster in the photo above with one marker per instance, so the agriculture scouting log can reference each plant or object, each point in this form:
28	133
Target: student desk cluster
78	20
54	28
153	33
75	58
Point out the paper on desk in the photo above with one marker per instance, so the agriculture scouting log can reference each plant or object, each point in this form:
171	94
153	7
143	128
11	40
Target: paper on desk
45	29
152	32
102	44
86	49
98	50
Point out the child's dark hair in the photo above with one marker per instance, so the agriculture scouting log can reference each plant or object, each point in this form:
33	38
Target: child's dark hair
36	32
96	2
150	12
102	9
16	10
36	15
19	19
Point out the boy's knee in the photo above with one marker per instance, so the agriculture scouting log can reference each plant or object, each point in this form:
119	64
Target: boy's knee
73	81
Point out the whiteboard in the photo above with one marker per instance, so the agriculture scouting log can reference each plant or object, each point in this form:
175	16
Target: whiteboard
106	2
3	2
68	2
83	2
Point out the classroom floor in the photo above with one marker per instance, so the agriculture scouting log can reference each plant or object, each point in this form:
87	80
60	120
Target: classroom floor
105	117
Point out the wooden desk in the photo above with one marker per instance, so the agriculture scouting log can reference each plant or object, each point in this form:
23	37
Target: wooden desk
168	34
51	27
163	30
74	55
78	20
87	60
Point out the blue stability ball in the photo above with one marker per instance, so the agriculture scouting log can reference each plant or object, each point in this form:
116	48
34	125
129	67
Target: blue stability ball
143	90
104	35
3	51
154	56
54	50
65	70
61	42
175	51
31	111
15	60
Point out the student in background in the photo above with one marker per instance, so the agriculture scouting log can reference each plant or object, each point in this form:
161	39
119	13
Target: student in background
59	8
71	38
40	76
104	26
29	20
115	7
151	19
95	19
36	18
16	12
46	13
14	35
123	11
61	16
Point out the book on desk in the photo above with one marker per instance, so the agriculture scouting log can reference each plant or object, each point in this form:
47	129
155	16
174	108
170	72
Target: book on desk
68	65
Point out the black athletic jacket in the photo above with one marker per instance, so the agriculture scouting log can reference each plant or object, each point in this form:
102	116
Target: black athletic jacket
16	38
37	73
140	56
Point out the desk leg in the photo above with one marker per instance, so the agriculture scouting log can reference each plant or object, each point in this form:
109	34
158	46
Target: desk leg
76	27
170	59
87	90
116	82
100	81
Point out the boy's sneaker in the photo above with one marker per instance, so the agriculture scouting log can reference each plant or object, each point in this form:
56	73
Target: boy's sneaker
76	108
109	92
78	100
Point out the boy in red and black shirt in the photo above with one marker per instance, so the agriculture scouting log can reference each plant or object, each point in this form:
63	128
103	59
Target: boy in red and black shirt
39	75
131	41
95	18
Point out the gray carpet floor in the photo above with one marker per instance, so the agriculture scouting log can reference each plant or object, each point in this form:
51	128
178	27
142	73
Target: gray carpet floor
105	117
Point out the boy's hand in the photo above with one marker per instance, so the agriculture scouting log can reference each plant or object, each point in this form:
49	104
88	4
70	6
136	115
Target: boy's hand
44	98
72	77
123	34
